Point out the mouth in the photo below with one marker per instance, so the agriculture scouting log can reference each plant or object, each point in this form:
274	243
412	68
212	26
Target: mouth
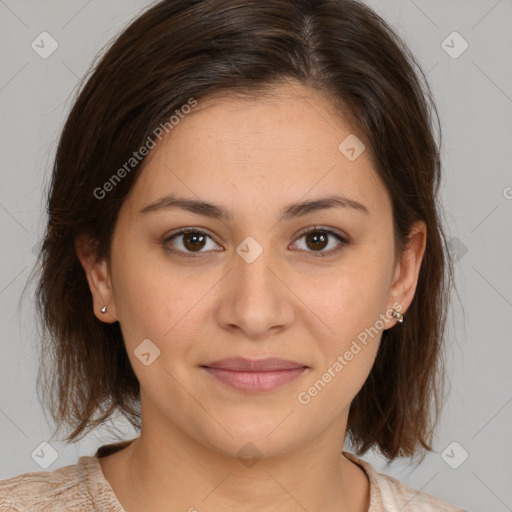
255	376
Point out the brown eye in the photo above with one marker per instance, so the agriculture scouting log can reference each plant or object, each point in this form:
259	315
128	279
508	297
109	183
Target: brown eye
190	243
187	242
317	239
194	241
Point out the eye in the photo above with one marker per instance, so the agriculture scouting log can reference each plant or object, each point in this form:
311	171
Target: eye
191	240
317	239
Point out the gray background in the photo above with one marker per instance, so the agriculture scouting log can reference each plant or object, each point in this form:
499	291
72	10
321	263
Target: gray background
474	97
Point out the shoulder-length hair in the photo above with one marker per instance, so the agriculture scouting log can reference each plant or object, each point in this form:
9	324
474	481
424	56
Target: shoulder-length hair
182	49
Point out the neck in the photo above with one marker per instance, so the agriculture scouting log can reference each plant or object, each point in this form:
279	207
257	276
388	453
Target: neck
166	465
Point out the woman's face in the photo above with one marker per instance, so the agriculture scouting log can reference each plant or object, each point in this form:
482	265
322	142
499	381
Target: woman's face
253	284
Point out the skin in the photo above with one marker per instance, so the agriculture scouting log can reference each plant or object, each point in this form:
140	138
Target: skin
252	157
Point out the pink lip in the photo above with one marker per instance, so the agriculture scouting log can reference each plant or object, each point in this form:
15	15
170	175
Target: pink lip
254	376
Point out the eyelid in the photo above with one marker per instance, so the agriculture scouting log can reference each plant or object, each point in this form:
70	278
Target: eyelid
343	240
325	229
182	231
188	229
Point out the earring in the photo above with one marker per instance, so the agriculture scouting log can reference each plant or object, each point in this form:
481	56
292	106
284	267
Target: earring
103	309
398	315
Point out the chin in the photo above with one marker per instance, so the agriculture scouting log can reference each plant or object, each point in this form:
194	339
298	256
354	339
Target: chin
250	435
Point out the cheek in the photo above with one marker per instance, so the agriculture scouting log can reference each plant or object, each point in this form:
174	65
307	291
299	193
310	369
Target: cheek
160	302
153	304
348	299
352	306
142	289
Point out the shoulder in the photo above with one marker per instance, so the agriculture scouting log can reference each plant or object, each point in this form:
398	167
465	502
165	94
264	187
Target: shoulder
397	494
389	494
63	489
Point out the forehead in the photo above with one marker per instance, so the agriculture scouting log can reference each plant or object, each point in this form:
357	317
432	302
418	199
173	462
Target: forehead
275	149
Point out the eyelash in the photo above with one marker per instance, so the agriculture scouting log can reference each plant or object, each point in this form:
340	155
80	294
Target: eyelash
314	254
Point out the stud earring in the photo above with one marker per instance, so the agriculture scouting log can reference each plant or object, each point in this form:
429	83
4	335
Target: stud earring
103	309
398	315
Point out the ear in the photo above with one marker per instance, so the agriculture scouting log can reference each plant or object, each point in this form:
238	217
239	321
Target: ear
98	277
407	269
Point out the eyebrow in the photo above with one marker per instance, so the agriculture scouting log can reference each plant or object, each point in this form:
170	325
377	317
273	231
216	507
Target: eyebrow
215	211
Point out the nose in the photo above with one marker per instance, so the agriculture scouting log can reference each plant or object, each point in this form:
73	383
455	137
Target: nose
255	298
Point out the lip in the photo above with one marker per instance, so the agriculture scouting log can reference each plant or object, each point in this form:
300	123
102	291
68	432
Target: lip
255	376
241	364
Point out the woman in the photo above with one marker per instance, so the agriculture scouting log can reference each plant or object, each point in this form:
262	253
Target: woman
244	256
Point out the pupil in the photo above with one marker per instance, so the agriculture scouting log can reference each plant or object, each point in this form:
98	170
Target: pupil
318	238
314	241
196	238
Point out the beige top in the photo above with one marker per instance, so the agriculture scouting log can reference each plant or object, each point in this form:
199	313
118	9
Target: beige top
82	487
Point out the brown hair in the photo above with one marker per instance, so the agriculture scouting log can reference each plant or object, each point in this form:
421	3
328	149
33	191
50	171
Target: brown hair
194	48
